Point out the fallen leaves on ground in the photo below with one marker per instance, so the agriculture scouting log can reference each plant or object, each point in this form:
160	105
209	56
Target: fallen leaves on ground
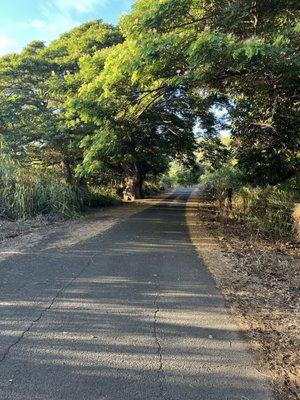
263	290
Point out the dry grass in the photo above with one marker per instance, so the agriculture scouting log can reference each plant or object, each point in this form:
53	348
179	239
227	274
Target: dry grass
261	283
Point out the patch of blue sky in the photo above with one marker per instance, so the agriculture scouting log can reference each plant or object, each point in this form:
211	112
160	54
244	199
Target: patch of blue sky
22	21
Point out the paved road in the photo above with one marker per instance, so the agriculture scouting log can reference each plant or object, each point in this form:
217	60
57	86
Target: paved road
131	314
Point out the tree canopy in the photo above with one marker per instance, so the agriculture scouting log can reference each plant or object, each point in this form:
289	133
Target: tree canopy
119	103
242	54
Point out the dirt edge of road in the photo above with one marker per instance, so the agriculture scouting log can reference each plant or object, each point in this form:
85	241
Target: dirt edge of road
22	236
256	300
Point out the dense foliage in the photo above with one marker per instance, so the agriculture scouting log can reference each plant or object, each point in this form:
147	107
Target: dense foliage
113	106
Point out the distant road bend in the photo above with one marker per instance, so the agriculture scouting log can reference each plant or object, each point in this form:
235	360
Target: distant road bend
130	314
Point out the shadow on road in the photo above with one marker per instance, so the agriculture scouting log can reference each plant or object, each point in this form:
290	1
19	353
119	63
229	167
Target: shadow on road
131	314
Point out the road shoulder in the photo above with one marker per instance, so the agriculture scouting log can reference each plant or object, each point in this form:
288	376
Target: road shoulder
65	233
221	266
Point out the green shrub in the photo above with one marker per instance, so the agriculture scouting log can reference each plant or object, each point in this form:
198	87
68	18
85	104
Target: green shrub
279	212
151	188
28	198
222	179
167	182
27	193
100	197
181	175
269	208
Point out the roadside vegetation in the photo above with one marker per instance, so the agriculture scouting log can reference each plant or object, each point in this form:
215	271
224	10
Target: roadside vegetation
259	275
27	192
181	175
104	109
130	109
265	208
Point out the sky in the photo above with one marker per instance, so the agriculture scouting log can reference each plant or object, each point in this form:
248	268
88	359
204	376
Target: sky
22	21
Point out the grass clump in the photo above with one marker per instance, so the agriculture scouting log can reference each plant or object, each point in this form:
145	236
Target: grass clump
267	208
26	193
101	197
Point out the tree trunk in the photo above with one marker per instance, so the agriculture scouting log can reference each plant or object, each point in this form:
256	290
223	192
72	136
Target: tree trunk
133	188
138	188
68	171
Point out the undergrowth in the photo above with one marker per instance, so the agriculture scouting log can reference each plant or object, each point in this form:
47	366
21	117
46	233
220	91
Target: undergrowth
26	193
267	208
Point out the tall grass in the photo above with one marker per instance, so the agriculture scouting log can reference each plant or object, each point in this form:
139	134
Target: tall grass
22	197
268	208
26	193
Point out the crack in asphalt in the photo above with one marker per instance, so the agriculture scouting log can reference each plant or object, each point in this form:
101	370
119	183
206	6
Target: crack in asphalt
44	310
160	370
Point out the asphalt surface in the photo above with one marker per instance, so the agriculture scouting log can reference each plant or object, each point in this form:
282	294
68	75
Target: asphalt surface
131	314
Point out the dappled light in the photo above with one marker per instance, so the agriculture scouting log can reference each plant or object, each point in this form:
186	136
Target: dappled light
149	200
106	320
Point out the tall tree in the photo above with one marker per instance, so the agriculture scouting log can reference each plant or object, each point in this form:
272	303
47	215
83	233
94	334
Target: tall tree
36	87
26	115
245	51
65	54
133	136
